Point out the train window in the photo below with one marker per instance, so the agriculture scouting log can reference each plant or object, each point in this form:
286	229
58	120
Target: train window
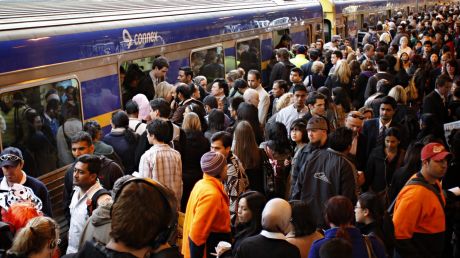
40	121
281	39
248	54
208	62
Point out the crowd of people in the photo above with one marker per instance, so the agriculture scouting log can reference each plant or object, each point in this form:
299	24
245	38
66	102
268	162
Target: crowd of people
339	151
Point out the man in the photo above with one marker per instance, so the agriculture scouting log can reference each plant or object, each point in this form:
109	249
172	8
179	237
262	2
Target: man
371	37
328	173
436	101
237	180
296	76
357	153
300	58
254	81
374	129
419	217
207	217
427	49
220	91
334	43
335	57
12	162
161	162
138	203
282	69
135	123
85	175
279	88
160	109
295	111
382	73
184	99
314	56
317	134
160	67
251	96
369	53
271	242
185	75
51	115
316	105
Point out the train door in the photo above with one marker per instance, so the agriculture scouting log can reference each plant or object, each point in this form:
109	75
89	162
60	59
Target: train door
208	62
327	30
248	55
281	38
308	34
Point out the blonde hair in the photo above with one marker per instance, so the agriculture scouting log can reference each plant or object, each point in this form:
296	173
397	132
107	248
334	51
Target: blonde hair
317	67
399	94
342	71
284	101
36	235
163	89
191	122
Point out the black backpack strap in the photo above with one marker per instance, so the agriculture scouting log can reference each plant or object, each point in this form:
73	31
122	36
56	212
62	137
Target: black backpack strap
419	180
137	126
93	205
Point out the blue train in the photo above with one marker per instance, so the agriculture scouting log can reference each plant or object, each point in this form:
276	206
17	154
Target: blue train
72	51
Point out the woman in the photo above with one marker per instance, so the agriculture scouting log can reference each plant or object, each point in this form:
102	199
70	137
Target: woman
404	65
341	77
123	140
196	145
133	77
278	149
430	127
303	232
412	164
316	79
248	112
216	122
164	90
246	149
367	70
404	46
342	105
201	112
299	136
38	239
143	106
383	162
451	69
399	94
340	216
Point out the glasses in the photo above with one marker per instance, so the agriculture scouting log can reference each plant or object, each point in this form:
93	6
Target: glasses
9	157
54	243
361	117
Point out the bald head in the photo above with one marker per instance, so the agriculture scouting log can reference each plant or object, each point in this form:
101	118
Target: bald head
251	96
276	216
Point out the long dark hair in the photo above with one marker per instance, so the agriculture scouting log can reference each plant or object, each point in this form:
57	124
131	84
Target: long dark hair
302	219
276	136
256	203
342	98
121	120
249	113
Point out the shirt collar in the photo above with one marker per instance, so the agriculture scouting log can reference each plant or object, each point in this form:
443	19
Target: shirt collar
4	185
152	76
273	235
387	125
439	93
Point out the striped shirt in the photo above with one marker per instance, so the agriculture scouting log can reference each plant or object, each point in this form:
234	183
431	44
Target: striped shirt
163	164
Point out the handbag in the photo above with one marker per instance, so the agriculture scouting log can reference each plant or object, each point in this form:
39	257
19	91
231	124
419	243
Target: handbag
268	176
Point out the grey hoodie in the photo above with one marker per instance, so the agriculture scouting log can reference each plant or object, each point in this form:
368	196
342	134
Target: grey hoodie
98	225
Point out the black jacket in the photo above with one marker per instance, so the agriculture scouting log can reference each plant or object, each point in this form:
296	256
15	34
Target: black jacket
327	174
281	71
432	103
371	86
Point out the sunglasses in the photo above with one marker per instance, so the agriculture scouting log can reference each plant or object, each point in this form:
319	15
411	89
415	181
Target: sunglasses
360	117
9	157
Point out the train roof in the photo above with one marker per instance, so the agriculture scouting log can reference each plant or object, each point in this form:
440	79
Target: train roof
48	32
351	6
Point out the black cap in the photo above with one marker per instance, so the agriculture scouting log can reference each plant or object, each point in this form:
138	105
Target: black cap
10	156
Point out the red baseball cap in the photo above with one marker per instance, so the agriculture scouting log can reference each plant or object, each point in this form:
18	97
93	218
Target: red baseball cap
435	151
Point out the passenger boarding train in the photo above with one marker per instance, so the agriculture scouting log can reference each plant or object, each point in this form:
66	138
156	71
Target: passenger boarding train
72	51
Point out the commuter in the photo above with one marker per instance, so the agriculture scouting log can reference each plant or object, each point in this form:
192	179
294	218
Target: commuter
148	84
280	87
161	162
183	100
451	69
303	231
207	217
317	134
246	149
254	81
316	78
295	77
357	153
87	186
336	56
12	162
367	71
251	96
316	105
340	216
296	110
300	58
435	102
165	90
404	46
135	124
239	87
454	103
216	121
196	145
139	202
382	67
271	242
123	140
342	105
233	107
51	115
313	55
247	112
430	128
66	131
230	78
336	248
39	238
327	173
130	86
237	181
340	77
282	69
143	105
220	90
278	149
299	135
369	52
185	75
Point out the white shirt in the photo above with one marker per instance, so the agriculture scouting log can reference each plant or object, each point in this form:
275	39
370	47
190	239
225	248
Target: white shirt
273	235
264	104
133	123
288	114
79	215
